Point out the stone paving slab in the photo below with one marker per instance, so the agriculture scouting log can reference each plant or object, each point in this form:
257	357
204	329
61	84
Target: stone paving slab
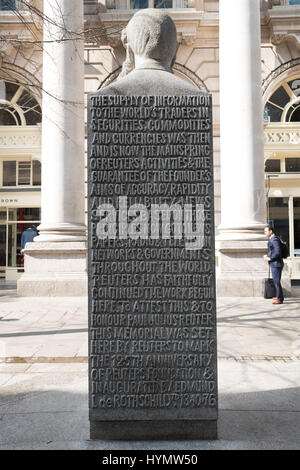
255	327
43	327
57	327
43	376
47	409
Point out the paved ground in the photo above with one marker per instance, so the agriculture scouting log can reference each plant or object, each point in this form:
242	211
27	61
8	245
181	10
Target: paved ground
43	376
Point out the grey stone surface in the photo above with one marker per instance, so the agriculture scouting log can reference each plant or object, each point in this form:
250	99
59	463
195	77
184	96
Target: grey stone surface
152	304
153	430
150	82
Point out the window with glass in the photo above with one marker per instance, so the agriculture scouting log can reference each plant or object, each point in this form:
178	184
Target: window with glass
139	4
18	107
21	173
292	165
24	214
278	215
287	165
294	2
296	204
18	226
7	5
135	4
284	103
272	166
163	3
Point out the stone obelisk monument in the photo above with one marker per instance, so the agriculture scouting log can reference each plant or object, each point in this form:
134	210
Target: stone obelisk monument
152	307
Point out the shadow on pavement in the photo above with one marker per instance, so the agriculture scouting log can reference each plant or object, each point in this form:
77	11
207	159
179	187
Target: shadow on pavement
44	333
56	419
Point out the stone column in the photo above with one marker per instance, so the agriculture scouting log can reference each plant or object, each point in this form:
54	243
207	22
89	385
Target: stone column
63	123
55	264
241	119
241	243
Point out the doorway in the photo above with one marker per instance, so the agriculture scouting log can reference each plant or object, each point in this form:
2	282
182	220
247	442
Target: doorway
13	223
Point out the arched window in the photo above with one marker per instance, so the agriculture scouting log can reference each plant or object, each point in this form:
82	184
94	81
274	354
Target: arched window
284	103
18	107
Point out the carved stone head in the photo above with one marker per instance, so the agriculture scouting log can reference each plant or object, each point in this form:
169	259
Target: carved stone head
149	35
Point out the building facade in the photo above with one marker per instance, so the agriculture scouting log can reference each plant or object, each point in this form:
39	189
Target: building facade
204	28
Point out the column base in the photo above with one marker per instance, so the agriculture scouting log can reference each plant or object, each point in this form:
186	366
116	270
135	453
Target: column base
54	270
241	268
251	232
153	430
60	233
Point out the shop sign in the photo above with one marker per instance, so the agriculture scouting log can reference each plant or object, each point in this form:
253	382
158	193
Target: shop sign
8	201
27	199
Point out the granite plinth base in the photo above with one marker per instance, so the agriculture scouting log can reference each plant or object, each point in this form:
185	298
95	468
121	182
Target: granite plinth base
54	270
153	430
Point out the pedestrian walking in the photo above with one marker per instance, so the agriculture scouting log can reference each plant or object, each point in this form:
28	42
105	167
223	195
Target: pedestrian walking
274	258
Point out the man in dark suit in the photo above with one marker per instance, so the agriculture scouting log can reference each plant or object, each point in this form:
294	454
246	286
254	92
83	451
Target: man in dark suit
275	261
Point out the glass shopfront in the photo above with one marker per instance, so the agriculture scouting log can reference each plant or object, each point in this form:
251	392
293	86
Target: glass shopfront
284	215
279	217
283	203
296	223
17	227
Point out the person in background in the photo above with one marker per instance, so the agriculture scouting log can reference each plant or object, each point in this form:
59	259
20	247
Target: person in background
28	235
274	258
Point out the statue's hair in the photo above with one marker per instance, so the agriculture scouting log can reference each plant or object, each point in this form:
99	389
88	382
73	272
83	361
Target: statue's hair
150	33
